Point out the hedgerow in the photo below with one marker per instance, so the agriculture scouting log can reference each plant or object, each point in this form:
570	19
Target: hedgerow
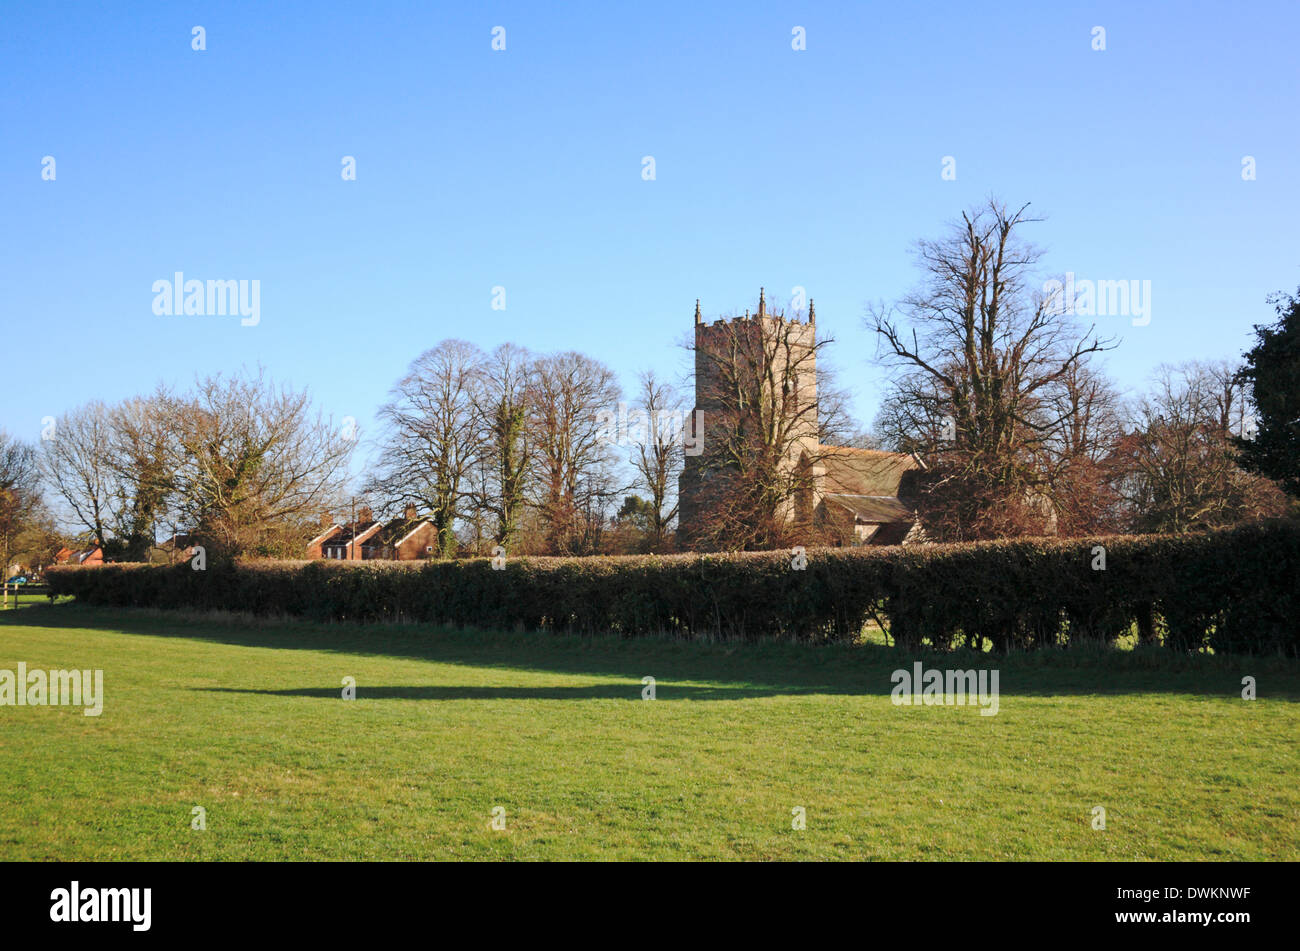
1232	590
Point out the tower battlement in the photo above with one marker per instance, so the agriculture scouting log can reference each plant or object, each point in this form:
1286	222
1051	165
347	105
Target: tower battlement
762	314
785	348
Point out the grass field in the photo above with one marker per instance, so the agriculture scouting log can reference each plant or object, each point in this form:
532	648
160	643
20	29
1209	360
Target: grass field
246	720
23	599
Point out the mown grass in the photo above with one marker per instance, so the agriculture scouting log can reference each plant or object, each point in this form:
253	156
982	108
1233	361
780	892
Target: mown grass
245	719
25	599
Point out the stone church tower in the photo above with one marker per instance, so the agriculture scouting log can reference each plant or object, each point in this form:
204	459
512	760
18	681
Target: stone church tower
853	493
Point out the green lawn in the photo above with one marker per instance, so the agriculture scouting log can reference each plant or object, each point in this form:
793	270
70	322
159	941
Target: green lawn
23	599
247	721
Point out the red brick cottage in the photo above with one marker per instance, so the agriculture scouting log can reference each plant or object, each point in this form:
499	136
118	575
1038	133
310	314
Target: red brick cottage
407	538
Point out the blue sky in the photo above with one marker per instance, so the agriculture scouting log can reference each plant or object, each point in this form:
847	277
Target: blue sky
475	168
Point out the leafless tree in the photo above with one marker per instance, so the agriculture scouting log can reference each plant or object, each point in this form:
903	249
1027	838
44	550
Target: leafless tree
1080	455
978	347
432	437
1183	471
19	494
657	454
573	460
500	403
255	464
836	424
140	455
38	539
76	462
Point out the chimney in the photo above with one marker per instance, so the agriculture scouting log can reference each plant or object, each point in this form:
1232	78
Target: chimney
409	511
326	520
364	514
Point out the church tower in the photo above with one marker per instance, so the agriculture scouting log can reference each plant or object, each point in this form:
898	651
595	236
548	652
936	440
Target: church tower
763	362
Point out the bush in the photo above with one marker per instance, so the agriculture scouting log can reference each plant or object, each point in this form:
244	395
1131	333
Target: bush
1232	590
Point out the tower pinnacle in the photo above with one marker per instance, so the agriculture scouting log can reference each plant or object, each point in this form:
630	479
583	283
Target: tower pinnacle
762	303
812	314
698	319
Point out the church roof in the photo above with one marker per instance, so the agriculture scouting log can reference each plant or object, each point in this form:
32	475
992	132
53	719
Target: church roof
866	472
874	509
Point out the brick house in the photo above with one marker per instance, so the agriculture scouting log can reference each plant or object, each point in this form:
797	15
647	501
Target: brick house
329	528
351	541
407	538
90	556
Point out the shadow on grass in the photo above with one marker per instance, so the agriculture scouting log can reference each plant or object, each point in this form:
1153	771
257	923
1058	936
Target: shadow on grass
630	691
765	668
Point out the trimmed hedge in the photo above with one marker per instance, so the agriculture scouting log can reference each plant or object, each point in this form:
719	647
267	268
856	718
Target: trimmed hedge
1233	590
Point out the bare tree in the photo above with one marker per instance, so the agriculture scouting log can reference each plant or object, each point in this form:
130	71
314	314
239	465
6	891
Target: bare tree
1080	455
573	460
76	463
657	455
38	539
19	494
1184	472
432	437
255	465
836	425
501	412
978	348
141	454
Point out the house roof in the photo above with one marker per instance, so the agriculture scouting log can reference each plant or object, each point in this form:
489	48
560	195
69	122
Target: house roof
359	531
867	472
369	534
68	554
397	530
328	533
874	509
894	533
